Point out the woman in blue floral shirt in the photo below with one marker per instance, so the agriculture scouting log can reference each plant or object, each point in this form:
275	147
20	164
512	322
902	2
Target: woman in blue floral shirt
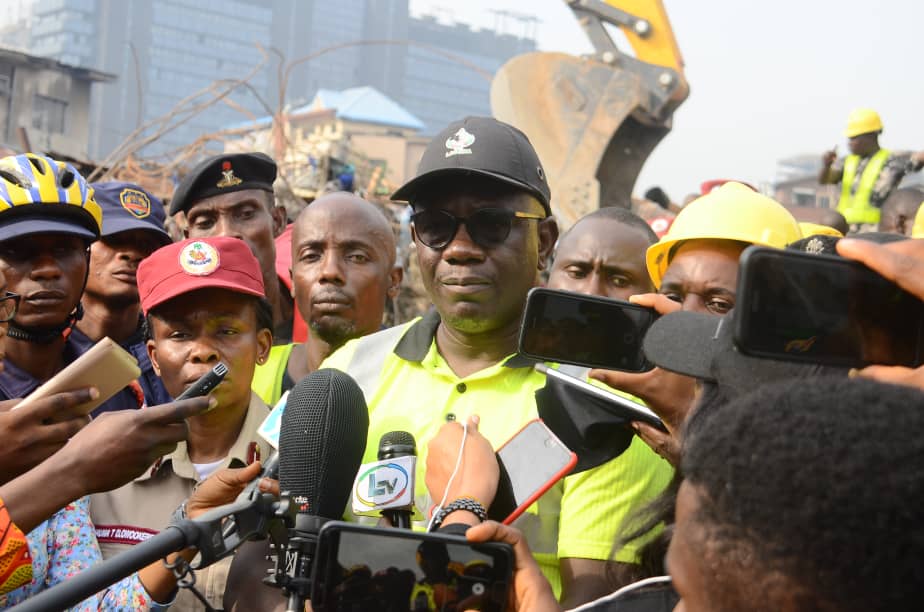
65	545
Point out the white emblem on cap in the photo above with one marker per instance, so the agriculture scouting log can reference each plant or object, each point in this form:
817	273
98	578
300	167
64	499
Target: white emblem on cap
815	247
199	259
459	143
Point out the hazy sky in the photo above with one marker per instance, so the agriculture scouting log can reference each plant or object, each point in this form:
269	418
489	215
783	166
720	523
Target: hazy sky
768	79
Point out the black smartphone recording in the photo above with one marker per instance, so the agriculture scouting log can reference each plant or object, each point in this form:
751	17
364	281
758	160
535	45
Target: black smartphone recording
585	330
824	309
369	568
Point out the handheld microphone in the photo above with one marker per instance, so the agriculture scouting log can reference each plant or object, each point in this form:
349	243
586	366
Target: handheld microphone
386	486
206	383
321	445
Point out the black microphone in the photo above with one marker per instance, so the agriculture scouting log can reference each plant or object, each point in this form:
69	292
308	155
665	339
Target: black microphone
393	445
206	383
321	444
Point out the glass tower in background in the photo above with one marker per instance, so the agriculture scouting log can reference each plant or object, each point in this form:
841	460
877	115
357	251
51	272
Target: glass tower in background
163	51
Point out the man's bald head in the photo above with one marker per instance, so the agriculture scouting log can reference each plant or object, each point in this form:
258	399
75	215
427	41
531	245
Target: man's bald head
343	267
899	209
348	208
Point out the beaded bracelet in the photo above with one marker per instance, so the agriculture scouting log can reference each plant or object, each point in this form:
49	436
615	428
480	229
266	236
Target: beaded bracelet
463	503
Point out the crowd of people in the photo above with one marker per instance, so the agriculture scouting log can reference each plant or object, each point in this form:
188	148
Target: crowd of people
773	486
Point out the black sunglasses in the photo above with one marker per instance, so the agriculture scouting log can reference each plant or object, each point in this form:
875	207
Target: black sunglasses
9	304
488	227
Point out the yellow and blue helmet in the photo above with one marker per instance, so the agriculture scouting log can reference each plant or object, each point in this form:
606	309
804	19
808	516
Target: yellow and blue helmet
40	195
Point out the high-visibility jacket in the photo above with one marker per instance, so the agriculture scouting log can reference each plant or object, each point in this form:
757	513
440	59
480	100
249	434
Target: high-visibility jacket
268	377
856	207
409	387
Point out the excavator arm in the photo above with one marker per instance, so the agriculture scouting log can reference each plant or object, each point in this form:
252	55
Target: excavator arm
594	120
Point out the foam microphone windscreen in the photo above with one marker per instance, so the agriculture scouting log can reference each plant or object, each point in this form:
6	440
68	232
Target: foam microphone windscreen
321	442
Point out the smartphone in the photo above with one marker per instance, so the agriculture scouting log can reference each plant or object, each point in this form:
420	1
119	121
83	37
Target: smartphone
106	366
615	403
530	462
826	310
358	567
585	330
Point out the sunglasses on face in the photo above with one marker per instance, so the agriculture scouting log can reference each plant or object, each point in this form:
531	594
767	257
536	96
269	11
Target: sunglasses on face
488	227
9	304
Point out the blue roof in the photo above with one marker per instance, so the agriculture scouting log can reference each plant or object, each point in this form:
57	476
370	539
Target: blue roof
368	105
362	104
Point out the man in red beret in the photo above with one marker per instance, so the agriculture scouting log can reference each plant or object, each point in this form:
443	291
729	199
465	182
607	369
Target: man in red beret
204	303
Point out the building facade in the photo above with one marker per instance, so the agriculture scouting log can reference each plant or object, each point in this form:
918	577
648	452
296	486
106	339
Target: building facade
165	51
449	69
44	104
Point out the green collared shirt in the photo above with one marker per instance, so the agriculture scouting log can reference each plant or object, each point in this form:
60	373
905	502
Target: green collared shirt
415	390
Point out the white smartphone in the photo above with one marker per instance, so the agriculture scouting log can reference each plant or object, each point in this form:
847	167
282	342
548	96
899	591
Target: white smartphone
106	366
618	404
530	462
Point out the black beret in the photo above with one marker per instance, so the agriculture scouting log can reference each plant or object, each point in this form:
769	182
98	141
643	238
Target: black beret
224	174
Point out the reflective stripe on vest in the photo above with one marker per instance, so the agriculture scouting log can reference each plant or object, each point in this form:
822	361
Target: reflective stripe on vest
369	357
856	207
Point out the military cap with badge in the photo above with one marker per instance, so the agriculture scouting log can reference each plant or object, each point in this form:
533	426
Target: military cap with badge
224	174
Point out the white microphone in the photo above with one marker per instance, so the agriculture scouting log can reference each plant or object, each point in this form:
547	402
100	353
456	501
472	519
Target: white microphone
386	487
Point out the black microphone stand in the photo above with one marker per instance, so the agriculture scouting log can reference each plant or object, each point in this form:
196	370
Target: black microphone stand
295	577
400	518
253	519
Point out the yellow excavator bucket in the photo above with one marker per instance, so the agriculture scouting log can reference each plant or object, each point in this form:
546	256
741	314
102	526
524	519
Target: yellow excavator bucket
594	120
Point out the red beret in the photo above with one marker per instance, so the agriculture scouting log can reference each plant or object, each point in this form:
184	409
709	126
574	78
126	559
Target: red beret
219	262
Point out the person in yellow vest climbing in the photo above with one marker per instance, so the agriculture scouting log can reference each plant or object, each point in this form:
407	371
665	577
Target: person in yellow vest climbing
869	174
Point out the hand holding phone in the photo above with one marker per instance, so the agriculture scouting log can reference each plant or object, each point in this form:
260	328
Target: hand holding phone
368	568
530	463
478	472
533	591
106	366
903	263
506	482
585	330
825	310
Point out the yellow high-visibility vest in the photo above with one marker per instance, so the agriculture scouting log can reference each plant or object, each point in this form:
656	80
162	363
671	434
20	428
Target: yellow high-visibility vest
856	207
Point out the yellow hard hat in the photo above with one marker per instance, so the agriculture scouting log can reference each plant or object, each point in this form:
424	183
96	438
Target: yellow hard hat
862	121
816	229
917	230
731	212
